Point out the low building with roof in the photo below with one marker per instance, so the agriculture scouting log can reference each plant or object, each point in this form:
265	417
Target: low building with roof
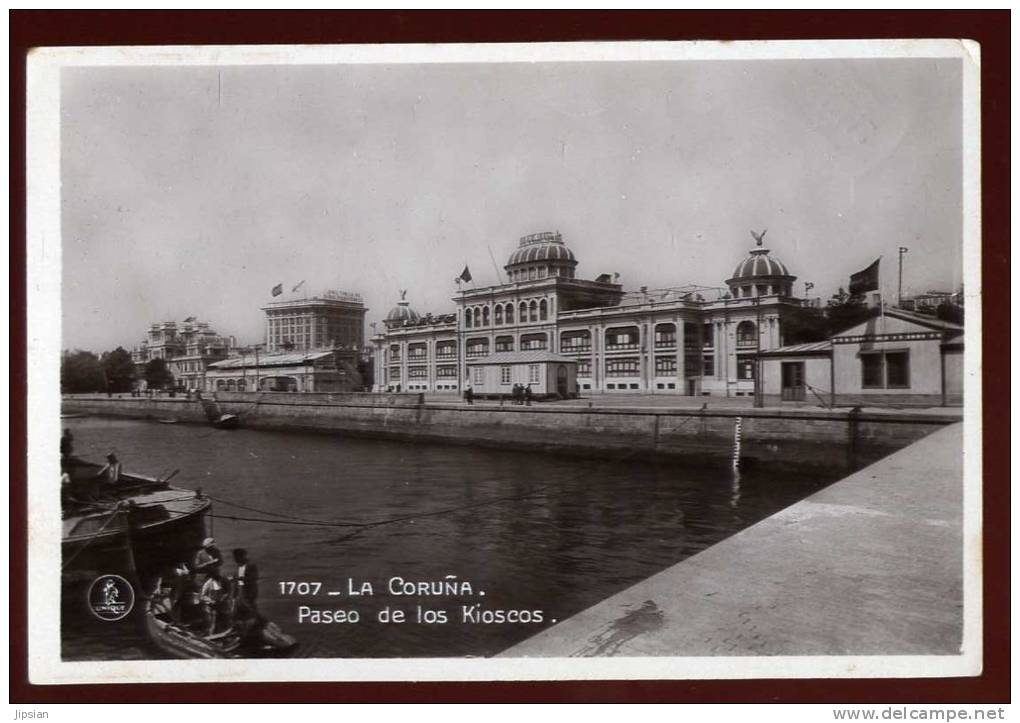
287	371
548	374
893	357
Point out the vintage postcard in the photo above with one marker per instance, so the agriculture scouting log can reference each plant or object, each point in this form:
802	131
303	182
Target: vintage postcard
504	362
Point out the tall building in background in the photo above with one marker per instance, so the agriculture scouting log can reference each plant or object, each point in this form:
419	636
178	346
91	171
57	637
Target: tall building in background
313	344
331	320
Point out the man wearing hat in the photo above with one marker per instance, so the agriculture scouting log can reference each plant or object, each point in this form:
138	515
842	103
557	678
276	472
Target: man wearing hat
207	559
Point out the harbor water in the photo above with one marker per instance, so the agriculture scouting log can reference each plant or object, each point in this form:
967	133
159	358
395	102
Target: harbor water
526	532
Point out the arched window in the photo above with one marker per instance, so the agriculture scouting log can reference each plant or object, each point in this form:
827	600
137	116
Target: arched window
467	318
220	385
524	312
509	313
533	311
531	273
543	310
478	316
746	333
497	314
241	384
485	316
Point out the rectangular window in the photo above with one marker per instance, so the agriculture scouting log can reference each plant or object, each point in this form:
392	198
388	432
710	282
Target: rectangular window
504	375
871	371
708	366
897	369
478	375
446	371
533	373
885	370
623	367
584	369
745	369
665	365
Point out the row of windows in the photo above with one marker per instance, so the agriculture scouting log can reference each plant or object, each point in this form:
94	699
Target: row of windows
540	272
763	290
504	313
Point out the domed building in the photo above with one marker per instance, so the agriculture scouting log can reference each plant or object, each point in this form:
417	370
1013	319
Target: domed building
760	275
539	256
689	340
402	313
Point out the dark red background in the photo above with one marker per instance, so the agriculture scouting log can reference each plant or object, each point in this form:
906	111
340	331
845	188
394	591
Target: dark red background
990	28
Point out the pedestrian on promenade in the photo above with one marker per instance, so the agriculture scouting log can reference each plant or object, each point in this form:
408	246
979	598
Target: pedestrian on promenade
469	395
527	395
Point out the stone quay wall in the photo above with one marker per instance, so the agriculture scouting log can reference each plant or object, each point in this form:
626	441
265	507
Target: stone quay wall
801	437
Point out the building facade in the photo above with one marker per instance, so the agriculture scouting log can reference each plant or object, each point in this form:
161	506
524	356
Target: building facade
188	348
331	320
689	341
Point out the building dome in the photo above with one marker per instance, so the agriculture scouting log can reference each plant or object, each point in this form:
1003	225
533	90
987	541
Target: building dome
759	264
760	274
541	255
402	312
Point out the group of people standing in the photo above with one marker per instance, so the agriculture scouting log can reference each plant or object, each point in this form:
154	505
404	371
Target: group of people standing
202	594
522	394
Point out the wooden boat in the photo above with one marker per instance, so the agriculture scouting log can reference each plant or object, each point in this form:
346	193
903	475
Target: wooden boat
266	640
167	421
142	523
226	421
217	417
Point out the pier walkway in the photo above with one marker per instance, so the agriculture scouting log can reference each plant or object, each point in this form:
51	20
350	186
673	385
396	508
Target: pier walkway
871	565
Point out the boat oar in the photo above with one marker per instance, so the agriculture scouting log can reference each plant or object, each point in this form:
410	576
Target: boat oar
169	477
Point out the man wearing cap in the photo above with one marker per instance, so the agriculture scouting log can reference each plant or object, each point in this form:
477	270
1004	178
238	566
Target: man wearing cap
207	559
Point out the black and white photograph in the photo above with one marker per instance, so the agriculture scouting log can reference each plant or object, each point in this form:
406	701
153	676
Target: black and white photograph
504	362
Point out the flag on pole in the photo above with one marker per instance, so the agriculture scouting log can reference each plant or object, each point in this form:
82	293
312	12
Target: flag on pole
299	285
278	289
465	275
866	280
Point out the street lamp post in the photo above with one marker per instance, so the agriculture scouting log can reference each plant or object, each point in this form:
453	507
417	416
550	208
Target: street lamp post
899	294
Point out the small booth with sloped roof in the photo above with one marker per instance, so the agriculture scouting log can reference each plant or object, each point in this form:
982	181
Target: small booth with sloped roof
549	375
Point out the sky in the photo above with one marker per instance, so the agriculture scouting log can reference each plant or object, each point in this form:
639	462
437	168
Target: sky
192	191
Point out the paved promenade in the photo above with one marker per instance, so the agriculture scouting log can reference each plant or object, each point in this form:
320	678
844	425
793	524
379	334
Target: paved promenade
871	565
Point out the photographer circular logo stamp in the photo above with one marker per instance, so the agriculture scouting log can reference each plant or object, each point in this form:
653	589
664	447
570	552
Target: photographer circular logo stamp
111	597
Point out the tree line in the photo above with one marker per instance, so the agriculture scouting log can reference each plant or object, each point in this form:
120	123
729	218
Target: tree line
807	324
112	371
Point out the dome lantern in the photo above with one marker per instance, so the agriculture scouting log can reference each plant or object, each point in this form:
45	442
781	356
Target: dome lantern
539	256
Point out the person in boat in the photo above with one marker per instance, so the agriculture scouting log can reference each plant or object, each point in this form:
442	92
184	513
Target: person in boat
178	589
66	444
247	581
215	601
207	559
109	475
